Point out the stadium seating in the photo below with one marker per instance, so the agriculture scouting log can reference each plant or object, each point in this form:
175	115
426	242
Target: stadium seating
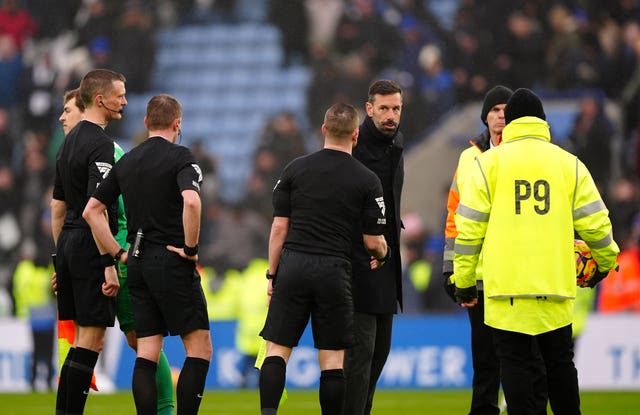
230	80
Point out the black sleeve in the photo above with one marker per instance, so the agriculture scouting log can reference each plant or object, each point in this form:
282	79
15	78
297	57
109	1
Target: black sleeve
282	194
109	189
58	190
189	173
373	213
101	160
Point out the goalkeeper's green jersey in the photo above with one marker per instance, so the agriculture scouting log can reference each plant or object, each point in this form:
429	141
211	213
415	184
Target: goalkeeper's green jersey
121	235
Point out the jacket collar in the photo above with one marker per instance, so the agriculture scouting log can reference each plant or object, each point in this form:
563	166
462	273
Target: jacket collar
526	127
379	138
481	141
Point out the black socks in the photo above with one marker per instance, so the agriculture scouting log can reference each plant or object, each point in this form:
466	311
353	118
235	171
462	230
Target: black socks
78	378
144	387
190	386
272	381
61	397
272	378
332	391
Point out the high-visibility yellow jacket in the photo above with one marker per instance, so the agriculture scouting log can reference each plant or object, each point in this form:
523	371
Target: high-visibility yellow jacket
220	293
251	303
466	160
520	206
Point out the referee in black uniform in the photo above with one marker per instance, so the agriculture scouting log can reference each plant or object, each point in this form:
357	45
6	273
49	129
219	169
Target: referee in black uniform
86	285
316	202
160	184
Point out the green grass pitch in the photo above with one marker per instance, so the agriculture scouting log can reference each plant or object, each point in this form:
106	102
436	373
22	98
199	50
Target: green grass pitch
387	402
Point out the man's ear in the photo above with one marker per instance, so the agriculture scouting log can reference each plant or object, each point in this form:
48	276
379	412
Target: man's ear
369	108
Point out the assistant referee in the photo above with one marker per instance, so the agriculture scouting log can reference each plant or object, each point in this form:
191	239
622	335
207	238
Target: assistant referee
317	201
160	184
86	286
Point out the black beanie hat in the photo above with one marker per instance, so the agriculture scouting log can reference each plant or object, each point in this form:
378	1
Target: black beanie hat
496	95
524	102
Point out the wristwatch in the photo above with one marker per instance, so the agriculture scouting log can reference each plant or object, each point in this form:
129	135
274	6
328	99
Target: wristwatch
270	276
119	254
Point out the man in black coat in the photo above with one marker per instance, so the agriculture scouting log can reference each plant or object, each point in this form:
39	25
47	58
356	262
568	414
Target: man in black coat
376	293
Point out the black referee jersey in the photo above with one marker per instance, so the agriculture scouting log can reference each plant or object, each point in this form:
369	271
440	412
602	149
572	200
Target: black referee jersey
325	194
83	161
151	178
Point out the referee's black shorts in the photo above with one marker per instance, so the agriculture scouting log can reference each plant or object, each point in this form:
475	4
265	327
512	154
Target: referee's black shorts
80	276
311	285
166	293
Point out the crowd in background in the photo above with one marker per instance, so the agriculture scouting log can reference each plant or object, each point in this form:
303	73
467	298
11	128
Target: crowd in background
587	49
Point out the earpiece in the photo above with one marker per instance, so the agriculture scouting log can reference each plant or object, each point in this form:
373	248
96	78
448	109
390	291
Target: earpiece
109	109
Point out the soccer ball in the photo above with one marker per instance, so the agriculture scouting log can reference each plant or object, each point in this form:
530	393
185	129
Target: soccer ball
586	266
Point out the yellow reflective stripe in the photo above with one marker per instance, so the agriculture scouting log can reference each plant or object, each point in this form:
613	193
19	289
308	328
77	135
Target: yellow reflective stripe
454	185
472	214
484	177
589	209
602	243
461	249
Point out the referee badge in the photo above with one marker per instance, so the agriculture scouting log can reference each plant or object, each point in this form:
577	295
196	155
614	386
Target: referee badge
380	202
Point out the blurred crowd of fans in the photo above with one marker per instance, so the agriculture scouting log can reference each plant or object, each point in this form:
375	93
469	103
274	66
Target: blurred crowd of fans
582	48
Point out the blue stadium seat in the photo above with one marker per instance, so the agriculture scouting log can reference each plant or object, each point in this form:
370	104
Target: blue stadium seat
229	79
298	76
252	10
561	122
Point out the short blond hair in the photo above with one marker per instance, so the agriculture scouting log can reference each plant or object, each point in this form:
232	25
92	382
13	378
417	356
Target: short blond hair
341	120
162	110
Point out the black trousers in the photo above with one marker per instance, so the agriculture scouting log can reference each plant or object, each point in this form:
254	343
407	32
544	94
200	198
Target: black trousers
486	367
516	351
43	353
364	362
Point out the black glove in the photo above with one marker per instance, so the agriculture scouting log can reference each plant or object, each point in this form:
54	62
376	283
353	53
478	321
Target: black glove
449	286
466	295
597	277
